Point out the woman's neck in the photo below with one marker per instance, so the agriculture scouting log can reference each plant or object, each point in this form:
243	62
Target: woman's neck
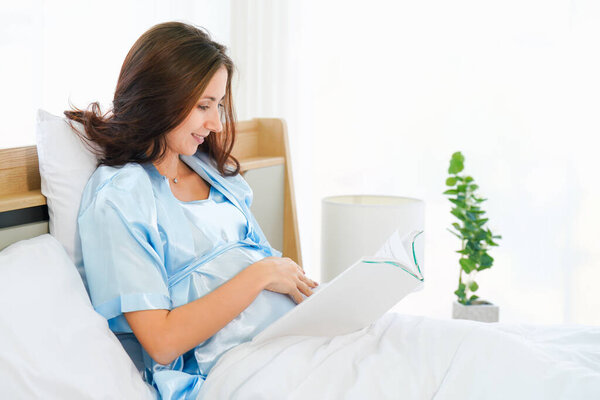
171	166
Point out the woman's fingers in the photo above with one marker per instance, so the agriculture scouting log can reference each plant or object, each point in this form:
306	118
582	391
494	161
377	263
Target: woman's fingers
287	277
294	263
296	296
303	287
308	281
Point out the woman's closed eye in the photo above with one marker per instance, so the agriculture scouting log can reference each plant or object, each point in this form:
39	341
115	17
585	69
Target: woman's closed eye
204	108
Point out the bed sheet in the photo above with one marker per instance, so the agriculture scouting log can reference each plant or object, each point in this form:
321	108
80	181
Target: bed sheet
415	357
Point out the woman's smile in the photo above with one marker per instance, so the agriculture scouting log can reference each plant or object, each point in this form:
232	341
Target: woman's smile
199	139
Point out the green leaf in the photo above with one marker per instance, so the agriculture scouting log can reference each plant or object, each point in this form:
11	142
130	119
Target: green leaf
461	188
480	222
471	216
467	265
486	260
468	179
451	181
455	167
464	251
479	200
459	203
473	297
451	191
473	286
460	292
455	234
456	163
480	235
467	234
461	296
457	213
475	245
481	268
474	187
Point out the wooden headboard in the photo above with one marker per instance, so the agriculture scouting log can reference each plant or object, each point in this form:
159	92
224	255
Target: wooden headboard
261	146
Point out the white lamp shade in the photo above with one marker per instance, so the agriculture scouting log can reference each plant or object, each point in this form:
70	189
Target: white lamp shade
356	226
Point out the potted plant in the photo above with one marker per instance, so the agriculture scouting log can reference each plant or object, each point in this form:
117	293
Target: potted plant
475	239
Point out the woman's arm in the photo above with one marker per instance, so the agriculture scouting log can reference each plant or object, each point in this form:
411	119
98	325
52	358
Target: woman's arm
165	335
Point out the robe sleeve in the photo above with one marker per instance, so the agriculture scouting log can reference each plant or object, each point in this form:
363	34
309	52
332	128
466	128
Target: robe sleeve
122	249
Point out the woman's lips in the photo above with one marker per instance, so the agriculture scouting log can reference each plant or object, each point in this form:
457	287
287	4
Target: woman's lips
199	139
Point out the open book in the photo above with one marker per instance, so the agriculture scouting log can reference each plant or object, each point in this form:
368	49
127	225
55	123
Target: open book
358	296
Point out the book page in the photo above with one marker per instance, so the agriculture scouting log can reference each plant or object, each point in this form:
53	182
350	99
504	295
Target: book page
401	249
355	298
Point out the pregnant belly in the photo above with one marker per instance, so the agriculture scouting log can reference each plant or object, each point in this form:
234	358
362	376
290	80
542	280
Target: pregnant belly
266	308
212	274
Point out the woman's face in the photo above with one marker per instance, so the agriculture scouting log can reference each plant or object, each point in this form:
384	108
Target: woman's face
204	118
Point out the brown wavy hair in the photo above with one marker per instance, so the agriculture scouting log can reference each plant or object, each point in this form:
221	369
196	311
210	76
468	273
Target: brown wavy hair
163	76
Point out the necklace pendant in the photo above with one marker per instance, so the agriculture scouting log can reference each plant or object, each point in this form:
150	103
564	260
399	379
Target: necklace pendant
175	180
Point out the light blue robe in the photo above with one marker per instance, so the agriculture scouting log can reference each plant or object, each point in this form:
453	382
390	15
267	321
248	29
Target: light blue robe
144	249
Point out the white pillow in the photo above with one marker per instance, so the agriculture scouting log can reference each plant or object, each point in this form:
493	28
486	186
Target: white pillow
54	345
66	164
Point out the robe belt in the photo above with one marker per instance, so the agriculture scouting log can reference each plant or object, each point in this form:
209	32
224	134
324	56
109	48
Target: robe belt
198	262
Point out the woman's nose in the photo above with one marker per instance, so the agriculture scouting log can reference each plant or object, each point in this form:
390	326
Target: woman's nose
214	123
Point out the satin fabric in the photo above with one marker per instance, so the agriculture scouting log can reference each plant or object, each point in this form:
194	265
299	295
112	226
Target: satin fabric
145	249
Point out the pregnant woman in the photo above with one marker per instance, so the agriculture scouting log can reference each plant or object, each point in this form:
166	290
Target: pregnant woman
171	250
173	254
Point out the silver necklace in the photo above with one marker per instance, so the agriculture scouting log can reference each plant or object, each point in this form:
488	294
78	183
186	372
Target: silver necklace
175	180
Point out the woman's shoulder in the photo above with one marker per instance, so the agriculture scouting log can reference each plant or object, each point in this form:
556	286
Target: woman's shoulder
124	177
117	182
235	182
210	164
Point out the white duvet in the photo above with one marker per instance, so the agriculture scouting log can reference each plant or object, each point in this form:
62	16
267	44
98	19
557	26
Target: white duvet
410	357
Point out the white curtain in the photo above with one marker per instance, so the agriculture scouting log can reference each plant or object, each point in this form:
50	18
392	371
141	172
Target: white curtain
268	42
56	51
378	96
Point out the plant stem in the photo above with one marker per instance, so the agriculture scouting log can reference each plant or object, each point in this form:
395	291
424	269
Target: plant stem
460	271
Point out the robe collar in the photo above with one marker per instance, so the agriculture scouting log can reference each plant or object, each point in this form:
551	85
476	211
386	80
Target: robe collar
234	188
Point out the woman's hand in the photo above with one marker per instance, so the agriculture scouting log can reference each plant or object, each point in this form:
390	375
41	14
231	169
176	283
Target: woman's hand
283	275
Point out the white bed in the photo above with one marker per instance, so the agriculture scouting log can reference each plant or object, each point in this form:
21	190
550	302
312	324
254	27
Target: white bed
412	357
56	346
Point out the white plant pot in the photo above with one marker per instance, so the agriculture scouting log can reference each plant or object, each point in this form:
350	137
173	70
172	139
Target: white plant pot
479	310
